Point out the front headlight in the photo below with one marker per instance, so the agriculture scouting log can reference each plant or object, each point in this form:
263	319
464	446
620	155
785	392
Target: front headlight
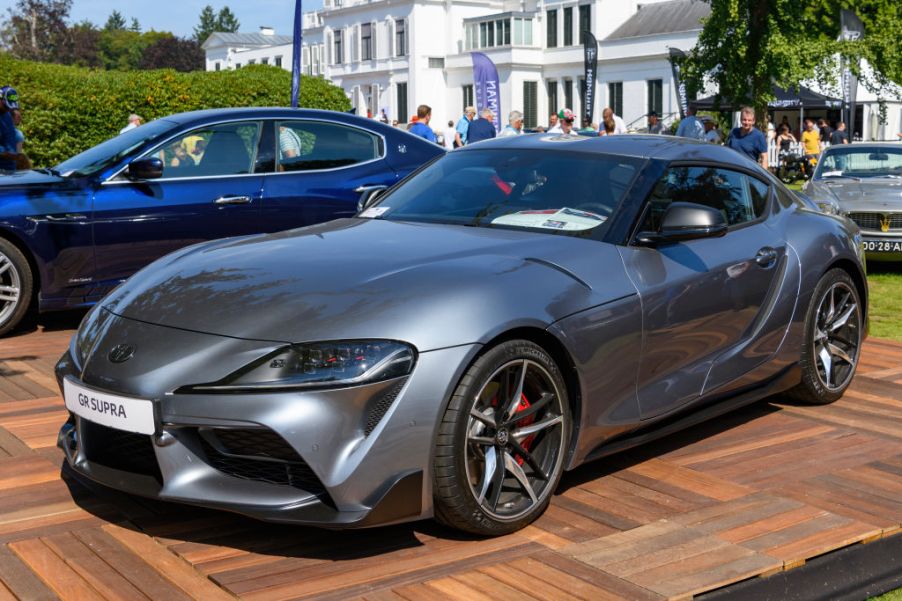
828	207
319	365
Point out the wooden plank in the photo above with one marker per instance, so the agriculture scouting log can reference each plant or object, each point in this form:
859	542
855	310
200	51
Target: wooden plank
20	580
616	588
711	486
92	568
177	572
64	581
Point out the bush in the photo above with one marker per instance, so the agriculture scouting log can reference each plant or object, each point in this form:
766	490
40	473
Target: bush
66	110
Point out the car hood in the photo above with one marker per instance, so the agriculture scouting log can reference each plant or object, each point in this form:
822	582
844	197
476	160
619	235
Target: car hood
866	195
431	285
27	179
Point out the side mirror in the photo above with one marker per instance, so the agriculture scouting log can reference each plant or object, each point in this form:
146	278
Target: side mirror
147	168
368	196
686	221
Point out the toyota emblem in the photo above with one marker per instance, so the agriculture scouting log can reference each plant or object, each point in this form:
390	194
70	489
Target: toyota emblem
121	353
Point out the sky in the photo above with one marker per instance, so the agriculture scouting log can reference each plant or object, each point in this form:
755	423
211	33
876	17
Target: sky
181	16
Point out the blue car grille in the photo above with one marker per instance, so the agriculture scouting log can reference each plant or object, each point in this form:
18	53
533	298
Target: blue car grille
874	221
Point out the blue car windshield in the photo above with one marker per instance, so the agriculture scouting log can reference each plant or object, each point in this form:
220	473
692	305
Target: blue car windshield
549	191
107	154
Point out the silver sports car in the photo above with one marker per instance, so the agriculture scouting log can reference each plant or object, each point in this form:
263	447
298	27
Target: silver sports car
510	311
864	182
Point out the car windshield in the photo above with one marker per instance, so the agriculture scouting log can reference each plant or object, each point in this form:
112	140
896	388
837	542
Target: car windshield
548	191
860	162
108	153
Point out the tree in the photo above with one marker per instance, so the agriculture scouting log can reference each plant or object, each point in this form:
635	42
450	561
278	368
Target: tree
83	48
206	26
36	29
746	46
173	53
135	26
116	22
226	20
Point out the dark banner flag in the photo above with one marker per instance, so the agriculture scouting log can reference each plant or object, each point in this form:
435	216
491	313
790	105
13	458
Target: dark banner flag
590	54
678	83
296	54
852	29
487	86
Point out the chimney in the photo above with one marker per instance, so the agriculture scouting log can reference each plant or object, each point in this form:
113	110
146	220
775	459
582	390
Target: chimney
267	30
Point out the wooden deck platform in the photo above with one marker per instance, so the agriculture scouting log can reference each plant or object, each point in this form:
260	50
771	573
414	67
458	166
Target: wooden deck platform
756	492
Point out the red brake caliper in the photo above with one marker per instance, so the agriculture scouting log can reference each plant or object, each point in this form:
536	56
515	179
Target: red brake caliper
523	406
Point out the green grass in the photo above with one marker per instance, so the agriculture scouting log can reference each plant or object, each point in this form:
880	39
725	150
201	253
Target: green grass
895	595
885	293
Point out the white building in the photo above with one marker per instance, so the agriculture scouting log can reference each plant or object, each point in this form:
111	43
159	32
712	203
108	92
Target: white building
393	55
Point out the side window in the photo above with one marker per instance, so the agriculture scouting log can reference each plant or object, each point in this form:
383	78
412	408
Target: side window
224	149
311	145
740	198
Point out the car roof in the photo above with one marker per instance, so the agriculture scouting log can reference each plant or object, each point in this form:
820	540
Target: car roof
668	148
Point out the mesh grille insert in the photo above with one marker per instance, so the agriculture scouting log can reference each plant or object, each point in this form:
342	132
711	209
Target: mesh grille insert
120	450
380	404
872	221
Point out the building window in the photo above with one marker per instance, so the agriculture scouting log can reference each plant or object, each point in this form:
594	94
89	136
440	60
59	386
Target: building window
552	95
551	23
366	42
523	32
264	60
615	97
568	26
530	104
400	38
217	66
568	95
252	61
585	20
468	96
401	90
277	61
337	50
237	65
655	96
317	59
437	62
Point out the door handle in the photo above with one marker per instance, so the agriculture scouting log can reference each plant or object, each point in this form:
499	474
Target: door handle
766	257
367	188
232	200
67	217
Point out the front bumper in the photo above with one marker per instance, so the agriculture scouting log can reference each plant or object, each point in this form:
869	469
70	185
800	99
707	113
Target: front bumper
879	246
356	456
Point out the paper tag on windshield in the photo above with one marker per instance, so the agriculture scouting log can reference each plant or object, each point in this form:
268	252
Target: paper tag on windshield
831	173
373	212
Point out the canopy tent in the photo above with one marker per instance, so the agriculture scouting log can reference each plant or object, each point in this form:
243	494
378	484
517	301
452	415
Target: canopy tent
798	98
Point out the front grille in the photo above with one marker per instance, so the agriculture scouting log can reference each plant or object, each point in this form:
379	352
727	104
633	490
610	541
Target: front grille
258	454
120	450
872	221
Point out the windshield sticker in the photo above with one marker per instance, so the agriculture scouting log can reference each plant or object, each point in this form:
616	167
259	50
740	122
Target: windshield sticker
831	174
564	219
373	212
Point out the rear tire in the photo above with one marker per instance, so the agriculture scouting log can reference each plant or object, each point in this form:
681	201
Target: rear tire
833	335
502	441
16	286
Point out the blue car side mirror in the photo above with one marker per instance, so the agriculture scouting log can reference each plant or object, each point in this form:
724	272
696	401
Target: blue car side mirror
147	168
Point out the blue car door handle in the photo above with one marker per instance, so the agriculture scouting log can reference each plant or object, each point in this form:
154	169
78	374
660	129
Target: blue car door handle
232	200
766	257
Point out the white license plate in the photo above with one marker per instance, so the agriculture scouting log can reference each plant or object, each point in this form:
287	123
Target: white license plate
119	412
883	246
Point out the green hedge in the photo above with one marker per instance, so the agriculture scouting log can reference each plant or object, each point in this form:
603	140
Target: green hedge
66	110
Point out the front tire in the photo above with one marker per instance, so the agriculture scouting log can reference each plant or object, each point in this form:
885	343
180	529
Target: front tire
833	335
502	441
16	286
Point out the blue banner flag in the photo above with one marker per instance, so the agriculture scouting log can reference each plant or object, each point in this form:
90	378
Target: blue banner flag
296	55
487	86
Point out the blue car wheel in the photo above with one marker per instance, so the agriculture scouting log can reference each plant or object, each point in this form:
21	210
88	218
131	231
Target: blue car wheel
16	285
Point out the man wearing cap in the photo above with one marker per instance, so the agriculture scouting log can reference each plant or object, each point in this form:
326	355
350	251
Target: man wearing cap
9	101
482	128
711	133
566	119
463	124
654	126
133	122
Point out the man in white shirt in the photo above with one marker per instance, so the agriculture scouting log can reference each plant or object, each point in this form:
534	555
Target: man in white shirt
619	126
133	122
514	125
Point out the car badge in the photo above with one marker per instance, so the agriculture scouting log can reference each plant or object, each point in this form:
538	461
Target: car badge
884	223
121	353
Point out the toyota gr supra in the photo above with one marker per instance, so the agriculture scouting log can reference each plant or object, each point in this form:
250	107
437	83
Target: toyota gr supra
510	311
864	183
70	234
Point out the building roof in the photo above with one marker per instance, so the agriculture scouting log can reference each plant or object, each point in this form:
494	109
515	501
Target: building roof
222	38
664	17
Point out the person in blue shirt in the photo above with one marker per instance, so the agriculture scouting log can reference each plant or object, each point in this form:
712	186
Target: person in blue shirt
482	128
691	127
463	124
747	140
421	127
9	101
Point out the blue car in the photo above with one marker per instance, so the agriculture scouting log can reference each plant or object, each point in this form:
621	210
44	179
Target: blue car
70	234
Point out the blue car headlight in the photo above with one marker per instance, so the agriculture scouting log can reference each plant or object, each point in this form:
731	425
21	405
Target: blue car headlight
319	365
